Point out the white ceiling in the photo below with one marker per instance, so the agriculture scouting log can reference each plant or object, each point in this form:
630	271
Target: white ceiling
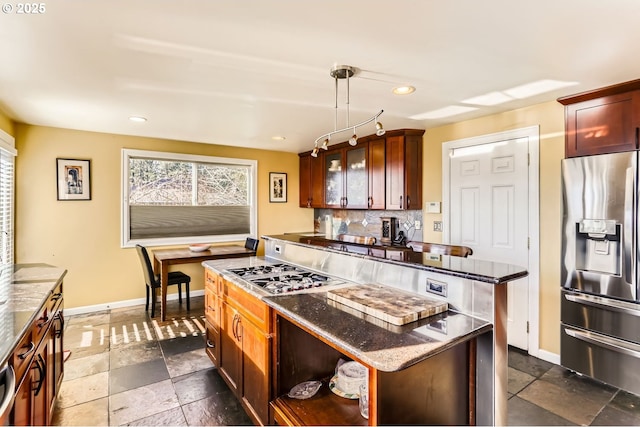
237	72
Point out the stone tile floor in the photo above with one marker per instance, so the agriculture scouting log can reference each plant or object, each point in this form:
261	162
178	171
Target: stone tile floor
128	369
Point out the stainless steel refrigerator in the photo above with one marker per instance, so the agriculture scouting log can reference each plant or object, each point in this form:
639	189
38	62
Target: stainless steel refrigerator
600	309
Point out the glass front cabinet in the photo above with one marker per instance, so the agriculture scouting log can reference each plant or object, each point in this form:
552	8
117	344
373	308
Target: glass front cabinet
346	178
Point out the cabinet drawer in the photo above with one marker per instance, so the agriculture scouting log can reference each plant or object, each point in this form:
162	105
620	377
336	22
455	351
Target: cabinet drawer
22	355
211	280
212	308
41	324
54	299
248	305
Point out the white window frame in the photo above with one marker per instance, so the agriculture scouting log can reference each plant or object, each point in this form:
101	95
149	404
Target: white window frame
127	242
7	246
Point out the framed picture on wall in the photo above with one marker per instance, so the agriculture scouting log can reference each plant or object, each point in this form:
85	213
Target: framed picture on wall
277	187
74	179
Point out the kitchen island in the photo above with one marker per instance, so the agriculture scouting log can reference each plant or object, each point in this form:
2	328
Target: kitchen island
445	369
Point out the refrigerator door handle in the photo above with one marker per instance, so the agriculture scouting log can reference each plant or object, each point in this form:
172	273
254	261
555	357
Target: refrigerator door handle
618	346
597	302
629	249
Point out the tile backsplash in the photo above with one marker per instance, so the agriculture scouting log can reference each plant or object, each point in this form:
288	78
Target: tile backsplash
367	222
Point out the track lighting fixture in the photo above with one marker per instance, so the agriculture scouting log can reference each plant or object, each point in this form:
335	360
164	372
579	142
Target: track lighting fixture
354	138
345	72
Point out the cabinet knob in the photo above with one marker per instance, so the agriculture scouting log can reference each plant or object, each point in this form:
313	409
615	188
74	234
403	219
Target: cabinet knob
408	201
401	201
211	344
369	201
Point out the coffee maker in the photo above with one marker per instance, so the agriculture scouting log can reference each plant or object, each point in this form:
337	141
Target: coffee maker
388	231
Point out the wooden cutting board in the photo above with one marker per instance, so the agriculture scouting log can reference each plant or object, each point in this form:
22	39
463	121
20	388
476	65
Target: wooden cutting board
389	304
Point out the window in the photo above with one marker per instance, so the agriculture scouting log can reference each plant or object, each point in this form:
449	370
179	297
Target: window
7	161
171	198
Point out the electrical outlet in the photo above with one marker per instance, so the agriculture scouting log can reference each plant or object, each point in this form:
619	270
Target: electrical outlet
437	225
418	225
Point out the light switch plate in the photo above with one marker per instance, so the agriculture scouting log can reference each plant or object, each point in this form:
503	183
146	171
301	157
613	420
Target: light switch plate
437	225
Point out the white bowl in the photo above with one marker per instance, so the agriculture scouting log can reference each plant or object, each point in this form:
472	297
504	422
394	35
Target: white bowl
199	247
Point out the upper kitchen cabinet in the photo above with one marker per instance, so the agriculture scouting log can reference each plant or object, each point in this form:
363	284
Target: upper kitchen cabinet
311	181
377	173
602	121
403	154
346	180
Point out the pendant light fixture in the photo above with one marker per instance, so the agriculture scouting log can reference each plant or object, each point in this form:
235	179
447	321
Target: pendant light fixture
344	72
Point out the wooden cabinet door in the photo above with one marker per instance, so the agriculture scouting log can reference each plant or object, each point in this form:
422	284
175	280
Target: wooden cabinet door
334	179
41	388
230	347
21	414
404	172
55	358
376	170
311	182
603	125
255	369
395	172
413	172
305	181
212	342
356	177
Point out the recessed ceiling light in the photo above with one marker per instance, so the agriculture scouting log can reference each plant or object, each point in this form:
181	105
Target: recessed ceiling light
404	90
278	138
491	98
137	119
451	110
536	88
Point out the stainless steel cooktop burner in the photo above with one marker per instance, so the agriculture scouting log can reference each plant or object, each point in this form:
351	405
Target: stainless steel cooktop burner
281	278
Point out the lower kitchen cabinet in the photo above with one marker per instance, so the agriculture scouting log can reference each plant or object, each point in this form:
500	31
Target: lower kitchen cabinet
212	316
39	364
244	362
238	341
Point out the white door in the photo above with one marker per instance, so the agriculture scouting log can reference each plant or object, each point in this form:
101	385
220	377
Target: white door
489	208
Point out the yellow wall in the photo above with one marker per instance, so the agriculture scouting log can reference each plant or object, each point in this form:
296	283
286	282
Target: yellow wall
6	124
84	236
550	117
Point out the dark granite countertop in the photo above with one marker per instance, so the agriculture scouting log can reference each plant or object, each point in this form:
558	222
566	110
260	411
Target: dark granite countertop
379	344
467	268
24	289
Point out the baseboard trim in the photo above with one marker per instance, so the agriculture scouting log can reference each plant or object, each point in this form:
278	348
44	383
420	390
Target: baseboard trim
119	304
549	357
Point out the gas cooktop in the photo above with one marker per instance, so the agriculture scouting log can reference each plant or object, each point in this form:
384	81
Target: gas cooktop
281	278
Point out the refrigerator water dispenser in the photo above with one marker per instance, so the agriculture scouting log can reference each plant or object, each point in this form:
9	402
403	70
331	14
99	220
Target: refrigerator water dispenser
598	246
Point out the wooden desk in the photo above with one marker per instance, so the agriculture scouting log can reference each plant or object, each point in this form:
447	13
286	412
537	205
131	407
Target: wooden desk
163	258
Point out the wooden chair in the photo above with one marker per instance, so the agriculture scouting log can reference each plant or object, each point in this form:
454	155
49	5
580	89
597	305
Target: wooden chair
152	280
441	248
